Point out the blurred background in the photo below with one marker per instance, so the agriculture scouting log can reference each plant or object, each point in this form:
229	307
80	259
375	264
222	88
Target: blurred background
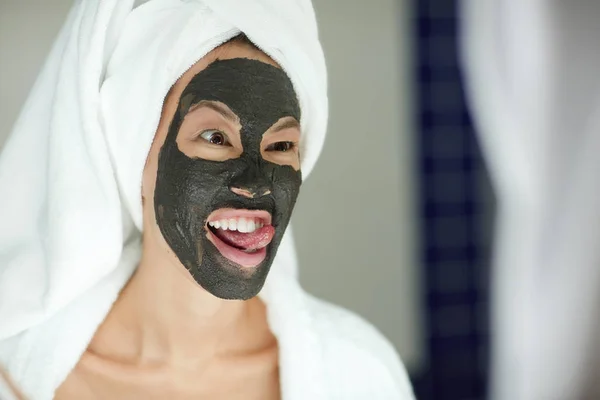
395	222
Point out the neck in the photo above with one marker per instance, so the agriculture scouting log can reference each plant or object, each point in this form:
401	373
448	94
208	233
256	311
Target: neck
164	317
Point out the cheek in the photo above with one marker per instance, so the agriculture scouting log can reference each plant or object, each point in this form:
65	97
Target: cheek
149	177
148	184
196	182
150	171
288	158
288	185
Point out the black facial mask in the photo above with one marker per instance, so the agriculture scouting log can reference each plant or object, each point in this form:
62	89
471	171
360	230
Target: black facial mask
189	189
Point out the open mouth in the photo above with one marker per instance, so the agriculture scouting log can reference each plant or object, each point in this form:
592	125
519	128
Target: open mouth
241	236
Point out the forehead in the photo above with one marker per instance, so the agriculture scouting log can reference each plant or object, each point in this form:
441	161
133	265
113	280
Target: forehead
252	89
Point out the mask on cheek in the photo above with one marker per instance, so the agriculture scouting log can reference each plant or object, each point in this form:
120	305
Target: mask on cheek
228	263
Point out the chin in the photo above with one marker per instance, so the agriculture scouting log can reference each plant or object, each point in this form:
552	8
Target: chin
228	280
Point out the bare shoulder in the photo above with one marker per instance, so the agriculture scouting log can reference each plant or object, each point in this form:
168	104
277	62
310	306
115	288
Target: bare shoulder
355	351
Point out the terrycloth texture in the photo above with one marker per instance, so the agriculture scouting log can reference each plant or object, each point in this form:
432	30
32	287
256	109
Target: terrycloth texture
532	69
70	180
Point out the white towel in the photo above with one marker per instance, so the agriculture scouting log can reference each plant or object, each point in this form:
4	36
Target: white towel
532	69
70	181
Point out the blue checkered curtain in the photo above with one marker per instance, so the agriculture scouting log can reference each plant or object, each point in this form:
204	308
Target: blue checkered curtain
456	205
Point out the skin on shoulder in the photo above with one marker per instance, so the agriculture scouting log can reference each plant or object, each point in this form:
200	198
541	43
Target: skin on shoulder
7	385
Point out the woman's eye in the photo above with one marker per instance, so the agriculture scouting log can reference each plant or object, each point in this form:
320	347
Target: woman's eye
215	137
281	146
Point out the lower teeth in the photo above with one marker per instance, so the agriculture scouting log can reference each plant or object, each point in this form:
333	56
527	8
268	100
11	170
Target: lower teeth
250	251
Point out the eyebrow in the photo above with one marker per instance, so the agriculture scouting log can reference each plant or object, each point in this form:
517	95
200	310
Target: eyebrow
230	115
288	123
225	112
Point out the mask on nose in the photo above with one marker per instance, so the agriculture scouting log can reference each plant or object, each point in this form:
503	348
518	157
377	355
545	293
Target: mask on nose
189	189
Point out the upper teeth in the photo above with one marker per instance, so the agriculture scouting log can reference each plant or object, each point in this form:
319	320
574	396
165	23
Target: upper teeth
244	225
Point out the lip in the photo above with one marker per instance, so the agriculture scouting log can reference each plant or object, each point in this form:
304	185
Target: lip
246	260
228	213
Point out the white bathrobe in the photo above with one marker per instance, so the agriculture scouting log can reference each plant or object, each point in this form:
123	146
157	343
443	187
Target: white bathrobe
533	74
70	180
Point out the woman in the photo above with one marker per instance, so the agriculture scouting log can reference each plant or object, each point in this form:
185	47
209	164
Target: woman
209	183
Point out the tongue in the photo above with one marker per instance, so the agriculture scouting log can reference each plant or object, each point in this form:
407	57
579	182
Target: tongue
247	241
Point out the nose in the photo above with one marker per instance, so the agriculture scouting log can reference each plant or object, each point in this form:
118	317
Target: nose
252	184
250	193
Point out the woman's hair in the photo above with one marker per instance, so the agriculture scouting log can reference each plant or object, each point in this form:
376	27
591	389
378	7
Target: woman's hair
242	39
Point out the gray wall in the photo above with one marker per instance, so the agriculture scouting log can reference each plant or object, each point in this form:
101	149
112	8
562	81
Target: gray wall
27	30
355	222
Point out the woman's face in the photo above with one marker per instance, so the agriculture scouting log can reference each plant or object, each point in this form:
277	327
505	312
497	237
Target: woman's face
223	173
